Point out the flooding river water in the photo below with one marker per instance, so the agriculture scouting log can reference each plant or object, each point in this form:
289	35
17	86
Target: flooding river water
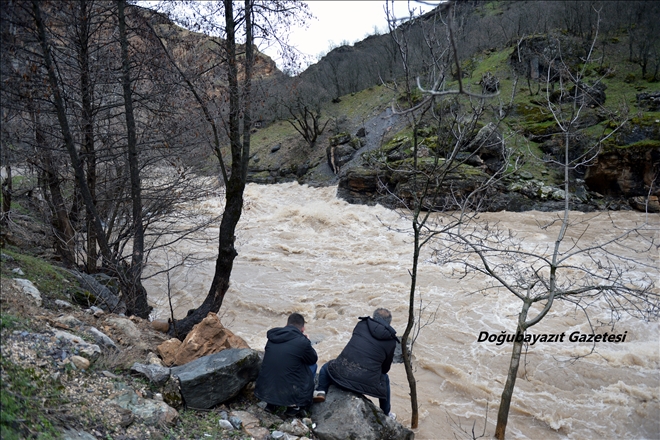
301	249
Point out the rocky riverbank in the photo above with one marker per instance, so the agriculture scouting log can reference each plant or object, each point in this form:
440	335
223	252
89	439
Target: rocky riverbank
85	389
76	372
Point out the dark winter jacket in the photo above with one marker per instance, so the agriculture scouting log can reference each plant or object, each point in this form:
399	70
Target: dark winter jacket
285	377
366	357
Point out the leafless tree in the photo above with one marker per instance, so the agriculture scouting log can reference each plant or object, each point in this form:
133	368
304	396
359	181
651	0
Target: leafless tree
243	24
303	104
436	166
67	119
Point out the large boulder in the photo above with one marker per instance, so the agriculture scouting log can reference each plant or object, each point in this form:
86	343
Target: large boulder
207	337
359	185
628	172
346	415
95	293
341	150
214	379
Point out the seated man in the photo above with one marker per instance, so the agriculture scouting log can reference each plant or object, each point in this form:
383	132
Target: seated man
287	373
363	364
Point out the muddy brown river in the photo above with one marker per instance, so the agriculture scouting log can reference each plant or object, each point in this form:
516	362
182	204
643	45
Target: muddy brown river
301	249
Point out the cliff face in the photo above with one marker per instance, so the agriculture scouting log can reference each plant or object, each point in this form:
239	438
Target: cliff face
626	172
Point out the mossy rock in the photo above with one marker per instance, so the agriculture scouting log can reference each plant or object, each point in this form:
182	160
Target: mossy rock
641	132
83	297
340	139
533	113
400	140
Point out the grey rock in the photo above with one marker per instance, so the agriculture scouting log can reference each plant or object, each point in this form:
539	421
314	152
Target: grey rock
105	297
348	415
216	378
29	289
226	424
96	311
236	422
101	338
155	373
90	351
152	412
63	304
18	271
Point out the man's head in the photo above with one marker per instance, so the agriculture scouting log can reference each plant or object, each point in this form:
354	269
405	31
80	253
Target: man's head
296	320
383	314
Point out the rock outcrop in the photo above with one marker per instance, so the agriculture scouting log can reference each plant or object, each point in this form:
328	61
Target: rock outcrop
97	293
346	415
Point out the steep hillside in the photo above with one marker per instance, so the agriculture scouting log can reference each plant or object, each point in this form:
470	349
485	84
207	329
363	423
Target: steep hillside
622	122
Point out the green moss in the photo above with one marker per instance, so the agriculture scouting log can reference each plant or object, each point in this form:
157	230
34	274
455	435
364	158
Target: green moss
48	278
533	114
639	146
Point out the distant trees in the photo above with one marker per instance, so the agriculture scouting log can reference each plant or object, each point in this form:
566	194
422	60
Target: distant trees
69	90
643	26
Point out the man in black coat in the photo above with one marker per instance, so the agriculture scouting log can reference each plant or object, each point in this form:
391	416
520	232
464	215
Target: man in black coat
363	364
287	373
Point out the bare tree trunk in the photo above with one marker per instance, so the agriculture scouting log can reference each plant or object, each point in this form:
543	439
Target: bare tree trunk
136	293
88	128
7	190
240	151
407	357
507	393
63	231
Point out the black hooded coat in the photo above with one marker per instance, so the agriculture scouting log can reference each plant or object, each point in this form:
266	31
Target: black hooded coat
366	357
285	377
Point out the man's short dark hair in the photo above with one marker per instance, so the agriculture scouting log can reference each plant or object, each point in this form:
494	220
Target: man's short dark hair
296	320
383	314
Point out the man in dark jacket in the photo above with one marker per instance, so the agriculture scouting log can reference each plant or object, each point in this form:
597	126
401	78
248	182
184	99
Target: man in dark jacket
363	364
287	373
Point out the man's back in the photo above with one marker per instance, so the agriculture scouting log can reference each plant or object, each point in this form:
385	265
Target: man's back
366	357
285	377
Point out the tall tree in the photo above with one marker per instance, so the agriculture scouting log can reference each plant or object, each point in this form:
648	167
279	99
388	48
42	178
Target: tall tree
238	58
136	294
436	164
66	129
